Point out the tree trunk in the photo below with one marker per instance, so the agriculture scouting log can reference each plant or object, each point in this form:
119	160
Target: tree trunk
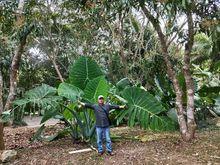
171	74
53	55
1	90
121	41
2	145
53	59
17	57
57	70
188	79
14	68
187	126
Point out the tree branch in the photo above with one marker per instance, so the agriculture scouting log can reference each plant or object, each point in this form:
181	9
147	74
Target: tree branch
190	41
171	40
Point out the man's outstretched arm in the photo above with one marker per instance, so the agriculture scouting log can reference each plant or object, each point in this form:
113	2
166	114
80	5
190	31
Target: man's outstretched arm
86	105
117	107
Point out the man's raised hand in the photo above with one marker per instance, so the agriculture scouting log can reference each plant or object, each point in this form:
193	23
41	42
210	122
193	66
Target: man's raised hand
81	104
122	106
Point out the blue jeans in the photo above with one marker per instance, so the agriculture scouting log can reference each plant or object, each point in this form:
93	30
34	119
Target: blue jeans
100	132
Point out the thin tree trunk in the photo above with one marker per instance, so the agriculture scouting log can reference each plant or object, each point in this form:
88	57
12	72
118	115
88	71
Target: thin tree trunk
1	90
2	144
53	59
110	67
17	58
171	74
57	70
53	55
188	79
14	68
121	41
14	74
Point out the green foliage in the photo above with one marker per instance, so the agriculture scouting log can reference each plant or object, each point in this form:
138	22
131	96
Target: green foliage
5	116
84	127
37	135
42	97
130	37
69	91
123	83
80	124
203	44
94	88
49	114
145	110
135	24
38	94
84	70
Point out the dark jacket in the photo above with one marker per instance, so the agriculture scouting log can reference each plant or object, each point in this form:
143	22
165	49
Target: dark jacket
101	117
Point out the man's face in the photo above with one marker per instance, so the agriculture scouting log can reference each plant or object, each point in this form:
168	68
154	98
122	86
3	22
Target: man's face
101	100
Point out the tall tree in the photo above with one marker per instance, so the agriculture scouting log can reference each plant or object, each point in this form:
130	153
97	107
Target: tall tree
23	32
153	11
17	56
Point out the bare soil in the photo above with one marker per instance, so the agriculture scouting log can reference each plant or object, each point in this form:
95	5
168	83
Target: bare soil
145	147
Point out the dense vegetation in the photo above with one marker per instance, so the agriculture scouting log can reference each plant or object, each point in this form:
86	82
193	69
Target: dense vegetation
160	58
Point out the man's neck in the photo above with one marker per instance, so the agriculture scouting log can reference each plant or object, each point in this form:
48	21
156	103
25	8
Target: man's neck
101	104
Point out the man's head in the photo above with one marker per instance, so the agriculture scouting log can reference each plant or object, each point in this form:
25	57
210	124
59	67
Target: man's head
101	99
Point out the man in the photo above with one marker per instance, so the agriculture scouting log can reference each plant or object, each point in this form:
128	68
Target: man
102	122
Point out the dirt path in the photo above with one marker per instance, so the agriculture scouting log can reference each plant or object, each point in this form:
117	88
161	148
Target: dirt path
158	148
35	121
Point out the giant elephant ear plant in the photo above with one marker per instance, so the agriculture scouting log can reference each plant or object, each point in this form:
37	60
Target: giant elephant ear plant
144	110
86	82
84	70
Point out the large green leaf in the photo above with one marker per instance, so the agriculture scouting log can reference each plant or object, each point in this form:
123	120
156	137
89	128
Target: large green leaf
144	109
49	114
42	96
40	92
96	87
20	102
84	70
37	135
5	116
66	113
69	91
163	84
123	83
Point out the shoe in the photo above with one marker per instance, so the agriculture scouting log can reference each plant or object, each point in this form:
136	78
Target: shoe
111	153
100	153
